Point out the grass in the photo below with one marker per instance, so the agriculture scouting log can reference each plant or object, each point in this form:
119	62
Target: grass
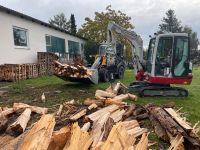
58	91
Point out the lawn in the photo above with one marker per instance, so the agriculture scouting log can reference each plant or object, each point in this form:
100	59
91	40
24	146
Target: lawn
58	91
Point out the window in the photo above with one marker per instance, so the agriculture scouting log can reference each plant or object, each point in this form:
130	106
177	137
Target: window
73	47
55	44
181	51
48	40
20	37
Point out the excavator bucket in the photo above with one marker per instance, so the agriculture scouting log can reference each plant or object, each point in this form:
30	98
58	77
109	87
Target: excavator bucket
76	73
93	79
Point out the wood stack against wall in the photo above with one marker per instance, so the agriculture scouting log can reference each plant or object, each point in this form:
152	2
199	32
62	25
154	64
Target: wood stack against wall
31	70
46	62
15	72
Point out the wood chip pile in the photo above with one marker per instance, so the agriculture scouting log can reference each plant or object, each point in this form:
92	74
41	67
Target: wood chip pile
71	70
103	123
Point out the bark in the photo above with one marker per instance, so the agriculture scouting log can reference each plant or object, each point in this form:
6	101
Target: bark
129	111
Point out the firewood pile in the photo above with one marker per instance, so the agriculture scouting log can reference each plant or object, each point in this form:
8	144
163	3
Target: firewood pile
46	62
16	72
71	70
105	122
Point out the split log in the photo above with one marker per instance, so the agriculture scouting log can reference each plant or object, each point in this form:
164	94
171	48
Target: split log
118	139
82	112
99	102
116	102
86	126
98	129
59	112
4	139
20	124
6	112
121	97
143	143
132	97
179	119
92	106
117	115
105	94
137	131
39	136
78	115
36	109
107	128
130	124
79	139
129	111
62	136
96	115
177	143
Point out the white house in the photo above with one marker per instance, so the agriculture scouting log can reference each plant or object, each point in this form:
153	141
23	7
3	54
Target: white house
22	36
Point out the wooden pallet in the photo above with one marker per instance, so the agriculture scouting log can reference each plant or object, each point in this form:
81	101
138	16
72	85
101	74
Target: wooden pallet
31	71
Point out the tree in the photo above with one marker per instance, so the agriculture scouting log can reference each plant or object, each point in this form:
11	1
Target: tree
91	49
194	42
72	24
170	23
60	21
96	29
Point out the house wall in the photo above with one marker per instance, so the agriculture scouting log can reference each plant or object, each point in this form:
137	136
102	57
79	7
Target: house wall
36	36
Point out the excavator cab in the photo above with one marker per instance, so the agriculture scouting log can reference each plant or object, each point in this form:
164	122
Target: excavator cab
168	57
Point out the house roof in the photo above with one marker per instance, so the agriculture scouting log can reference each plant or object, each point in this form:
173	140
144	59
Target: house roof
23	16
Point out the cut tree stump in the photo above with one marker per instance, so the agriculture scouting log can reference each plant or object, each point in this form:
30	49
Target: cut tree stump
39	136
20	124
36	109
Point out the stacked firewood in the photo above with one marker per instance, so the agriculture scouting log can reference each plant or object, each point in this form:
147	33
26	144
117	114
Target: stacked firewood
70	70
103	123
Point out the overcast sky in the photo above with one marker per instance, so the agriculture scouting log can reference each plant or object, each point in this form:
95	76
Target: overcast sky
145	14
